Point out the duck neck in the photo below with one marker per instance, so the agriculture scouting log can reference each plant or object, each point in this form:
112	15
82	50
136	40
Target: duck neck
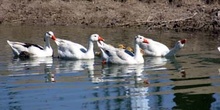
173	51
137	51
91	46
47	43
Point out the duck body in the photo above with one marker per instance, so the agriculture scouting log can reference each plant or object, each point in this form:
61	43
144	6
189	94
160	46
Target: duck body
154	48
157	49
33	50
71	50
122	56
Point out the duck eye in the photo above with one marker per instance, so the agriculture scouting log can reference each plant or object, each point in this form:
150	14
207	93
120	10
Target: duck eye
48	33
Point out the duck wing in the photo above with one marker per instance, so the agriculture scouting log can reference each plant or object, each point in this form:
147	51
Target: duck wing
124	54
69	44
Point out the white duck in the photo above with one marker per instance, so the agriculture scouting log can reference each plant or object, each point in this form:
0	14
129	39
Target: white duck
218	48
72	50
154	48
33	50
122	56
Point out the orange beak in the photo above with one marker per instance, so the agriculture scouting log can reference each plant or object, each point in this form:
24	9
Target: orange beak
145	41
53	37
100	39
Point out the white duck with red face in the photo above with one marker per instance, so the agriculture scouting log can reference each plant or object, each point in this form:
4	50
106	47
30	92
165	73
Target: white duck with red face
71	50
123	56
157	49
33	50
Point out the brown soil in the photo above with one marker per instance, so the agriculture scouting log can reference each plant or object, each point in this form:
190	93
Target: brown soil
153	14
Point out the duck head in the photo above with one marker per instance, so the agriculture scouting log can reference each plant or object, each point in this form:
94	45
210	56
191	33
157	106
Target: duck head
96	37
180	44
141	39
50	34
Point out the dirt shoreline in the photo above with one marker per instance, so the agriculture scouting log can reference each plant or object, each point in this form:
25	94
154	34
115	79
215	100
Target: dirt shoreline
179	15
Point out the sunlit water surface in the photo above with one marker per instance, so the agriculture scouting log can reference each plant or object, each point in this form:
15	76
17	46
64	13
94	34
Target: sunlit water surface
189	81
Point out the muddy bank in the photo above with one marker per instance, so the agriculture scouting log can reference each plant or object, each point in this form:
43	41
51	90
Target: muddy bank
153	14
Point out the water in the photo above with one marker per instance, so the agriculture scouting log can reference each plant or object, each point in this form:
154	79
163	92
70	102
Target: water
189	81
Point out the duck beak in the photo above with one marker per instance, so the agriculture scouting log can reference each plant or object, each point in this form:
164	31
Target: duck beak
53	37
100	39
183	41
145	41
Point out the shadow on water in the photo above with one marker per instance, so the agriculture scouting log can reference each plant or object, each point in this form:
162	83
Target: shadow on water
187	101
196	95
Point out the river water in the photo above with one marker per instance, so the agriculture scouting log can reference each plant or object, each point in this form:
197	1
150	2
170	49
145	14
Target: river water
191	80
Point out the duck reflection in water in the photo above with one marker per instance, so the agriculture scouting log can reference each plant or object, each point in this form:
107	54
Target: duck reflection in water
30	66
219	71
132	79
158	63
138	89
157	68
34	66
155	63
65	66
50	76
